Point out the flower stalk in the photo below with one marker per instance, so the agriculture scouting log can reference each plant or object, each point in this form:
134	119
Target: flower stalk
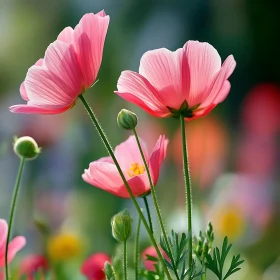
111	153
12	212
188	188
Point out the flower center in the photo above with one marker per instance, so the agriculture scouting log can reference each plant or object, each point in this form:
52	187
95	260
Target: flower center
135	169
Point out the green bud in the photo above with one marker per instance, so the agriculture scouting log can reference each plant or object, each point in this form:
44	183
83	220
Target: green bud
109	271
126	119
122	226
26	147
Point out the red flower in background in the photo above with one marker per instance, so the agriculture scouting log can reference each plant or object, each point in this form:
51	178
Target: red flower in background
261	109
190	80
69	67
93	267
151	251
32	264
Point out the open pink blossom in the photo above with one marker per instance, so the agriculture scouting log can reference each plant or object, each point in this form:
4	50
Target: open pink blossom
103	173
14	246
70	66
93	266
190	81
32	264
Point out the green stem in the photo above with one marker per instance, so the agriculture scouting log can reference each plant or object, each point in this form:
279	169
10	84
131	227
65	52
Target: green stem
136	257
188	188
111	153
148	213
203	276
12	211
156	204
125	260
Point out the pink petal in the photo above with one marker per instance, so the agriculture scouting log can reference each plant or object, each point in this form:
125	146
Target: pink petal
46	109
3	234
14	246
136	89
89	37
163	69
139	185
127	153
203	63
157	157
103	175
221	96
60	84
215	89
106	159
66	35
23	92
101	14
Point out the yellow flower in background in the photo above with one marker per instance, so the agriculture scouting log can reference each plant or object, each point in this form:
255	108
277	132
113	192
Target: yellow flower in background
229	221
64	246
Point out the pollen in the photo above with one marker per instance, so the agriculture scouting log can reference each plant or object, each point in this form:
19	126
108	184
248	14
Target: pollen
135	169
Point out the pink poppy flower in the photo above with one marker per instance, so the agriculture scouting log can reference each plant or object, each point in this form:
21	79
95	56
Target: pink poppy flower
14	246
93	267
190	81
151	251
32	264
69	67
104	174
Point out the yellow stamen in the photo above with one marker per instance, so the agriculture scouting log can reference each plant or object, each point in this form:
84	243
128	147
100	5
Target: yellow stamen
135	169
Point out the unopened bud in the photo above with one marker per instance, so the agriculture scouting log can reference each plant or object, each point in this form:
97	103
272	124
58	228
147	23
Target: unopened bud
126	119
26	147
122	226
109	271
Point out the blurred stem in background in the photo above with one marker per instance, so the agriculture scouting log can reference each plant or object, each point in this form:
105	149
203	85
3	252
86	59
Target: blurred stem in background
12	212
148	213
111	153
136	250
188	187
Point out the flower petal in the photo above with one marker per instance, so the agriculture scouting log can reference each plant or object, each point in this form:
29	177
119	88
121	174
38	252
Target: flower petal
203	63
36	109
163	69
3	234
58	82
216	87
128	152
66	35
157	157
89	37
105	176
14	246
136	89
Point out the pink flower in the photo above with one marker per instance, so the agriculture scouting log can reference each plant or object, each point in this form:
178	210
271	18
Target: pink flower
190	81
14	246
69	67
103	173
93	267
151	251
32	264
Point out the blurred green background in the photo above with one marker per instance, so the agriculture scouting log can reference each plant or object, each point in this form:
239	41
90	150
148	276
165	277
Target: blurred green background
234	152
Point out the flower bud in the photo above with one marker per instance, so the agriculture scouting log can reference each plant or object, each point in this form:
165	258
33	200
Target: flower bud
122	226
126	119
109	271
26	147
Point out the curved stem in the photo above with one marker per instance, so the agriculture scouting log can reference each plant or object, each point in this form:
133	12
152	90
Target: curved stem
12	211
136	257
111	153
125	260
148	213
188	188
156	204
